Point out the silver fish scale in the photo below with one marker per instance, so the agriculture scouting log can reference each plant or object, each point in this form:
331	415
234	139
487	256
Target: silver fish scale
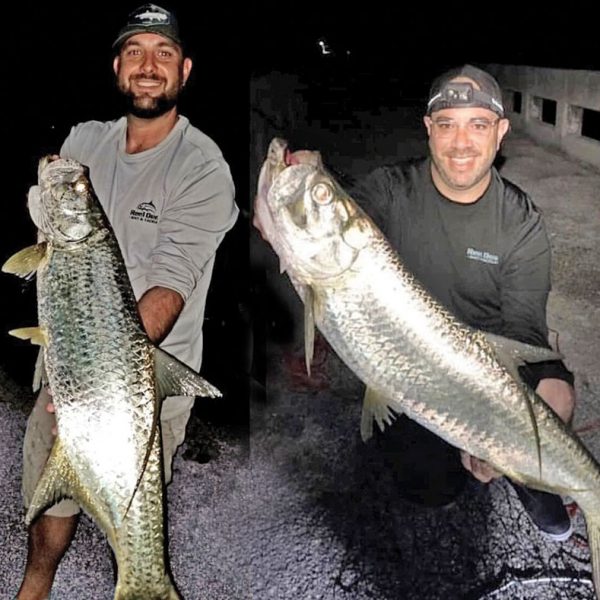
100	368
403	344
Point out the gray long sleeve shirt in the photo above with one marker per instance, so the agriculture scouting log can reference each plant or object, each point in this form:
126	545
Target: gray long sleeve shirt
170	207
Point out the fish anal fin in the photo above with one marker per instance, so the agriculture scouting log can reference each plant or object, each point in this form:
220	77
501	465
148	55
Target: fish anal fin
26	262
173	378
376	407
36	335
53	484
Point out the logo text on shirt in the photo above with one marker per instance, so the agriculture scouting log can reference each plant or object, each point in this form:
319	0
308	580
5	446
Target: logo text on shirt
146	211
482	256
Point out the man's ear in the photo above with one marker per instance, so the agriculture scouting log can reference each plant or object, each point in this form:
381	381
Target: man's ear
187	67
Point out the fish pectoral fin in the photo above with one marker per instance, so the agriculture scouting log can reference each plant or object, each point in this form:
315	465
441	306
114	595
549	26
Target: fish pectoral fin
58	481
520	352
35	335
173	378
39	374
309	327
26	262
376	407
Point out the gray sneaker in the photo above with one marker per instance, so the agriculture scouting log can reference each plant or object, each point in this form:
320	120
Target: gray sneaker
547	511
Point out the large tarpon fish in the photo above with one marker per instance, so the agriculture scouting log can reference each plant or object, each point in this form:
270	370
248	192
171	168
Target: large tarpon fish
106	377
412	354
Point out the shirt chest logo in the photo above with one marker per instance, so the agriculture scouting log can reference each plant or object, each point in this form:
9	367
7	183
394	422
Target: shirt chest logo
483	256
145	211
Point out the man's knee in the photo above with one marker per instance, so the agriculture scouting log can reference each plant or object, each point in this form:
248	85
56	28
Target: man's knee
559	395
176	411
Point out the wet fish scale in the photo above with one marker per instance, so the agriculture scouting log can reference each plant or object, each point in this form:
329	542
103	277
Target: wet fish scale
100	382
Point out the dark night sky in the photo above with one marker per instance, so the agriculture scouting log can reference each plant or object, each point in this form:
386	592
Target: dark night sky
59	57
403	37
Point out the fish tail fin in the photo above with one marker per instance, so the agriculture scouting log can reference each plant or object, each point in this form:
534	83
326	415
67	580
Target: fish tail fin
593	530
123	591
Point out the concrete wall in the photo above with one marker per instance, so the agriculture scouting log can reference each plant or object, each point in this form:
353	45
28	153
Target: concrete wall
571	90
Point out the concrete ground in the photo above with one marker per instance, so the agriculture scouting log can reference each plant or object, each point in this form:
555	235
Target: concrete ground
314	513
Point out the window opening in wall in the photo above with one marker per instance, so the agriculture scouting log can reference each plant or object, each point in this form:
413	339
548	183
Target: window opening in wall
517	100
590	124
549	111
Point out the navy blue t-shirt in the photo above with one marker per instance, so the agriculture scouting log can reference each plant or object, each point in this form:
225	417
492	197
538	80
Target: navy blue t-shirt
488	262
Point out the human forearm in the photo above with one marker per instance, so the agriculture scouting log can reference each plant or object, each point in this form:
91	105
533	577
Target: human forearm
159	308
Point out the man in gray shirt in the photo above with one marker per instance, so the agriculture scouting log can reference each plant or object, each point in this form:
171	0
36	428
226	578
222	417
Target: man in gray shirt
169	196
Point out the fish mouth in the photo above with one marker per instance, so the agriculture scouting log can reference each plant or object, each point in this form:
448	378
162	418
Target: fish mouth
290	158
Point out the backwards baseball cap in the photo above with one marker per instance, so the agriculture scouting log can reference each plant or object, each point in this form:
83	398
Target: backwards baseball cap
149	18
447	93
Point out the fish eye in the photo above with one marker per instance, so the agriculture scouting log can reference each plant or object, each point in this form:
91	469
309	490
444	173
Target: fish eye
80	186
322	193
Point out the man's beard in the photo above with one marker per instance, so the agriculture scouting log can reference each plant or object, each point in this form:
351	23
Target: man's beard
148	107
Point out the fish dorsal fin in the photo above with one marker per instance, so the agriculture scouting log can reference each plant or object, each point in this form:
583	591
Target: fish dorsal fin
35	335
173	378
309	327
534	425
511	354
376	407
26	262
519	352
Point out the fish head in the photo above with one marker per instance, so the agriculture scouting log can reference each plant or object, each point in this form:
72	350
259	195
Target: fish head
278	159
63	205
314	226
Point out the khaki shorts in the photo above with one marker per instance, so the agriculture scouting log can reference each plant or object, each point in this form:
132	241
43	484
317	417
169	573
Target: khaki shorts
38	442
